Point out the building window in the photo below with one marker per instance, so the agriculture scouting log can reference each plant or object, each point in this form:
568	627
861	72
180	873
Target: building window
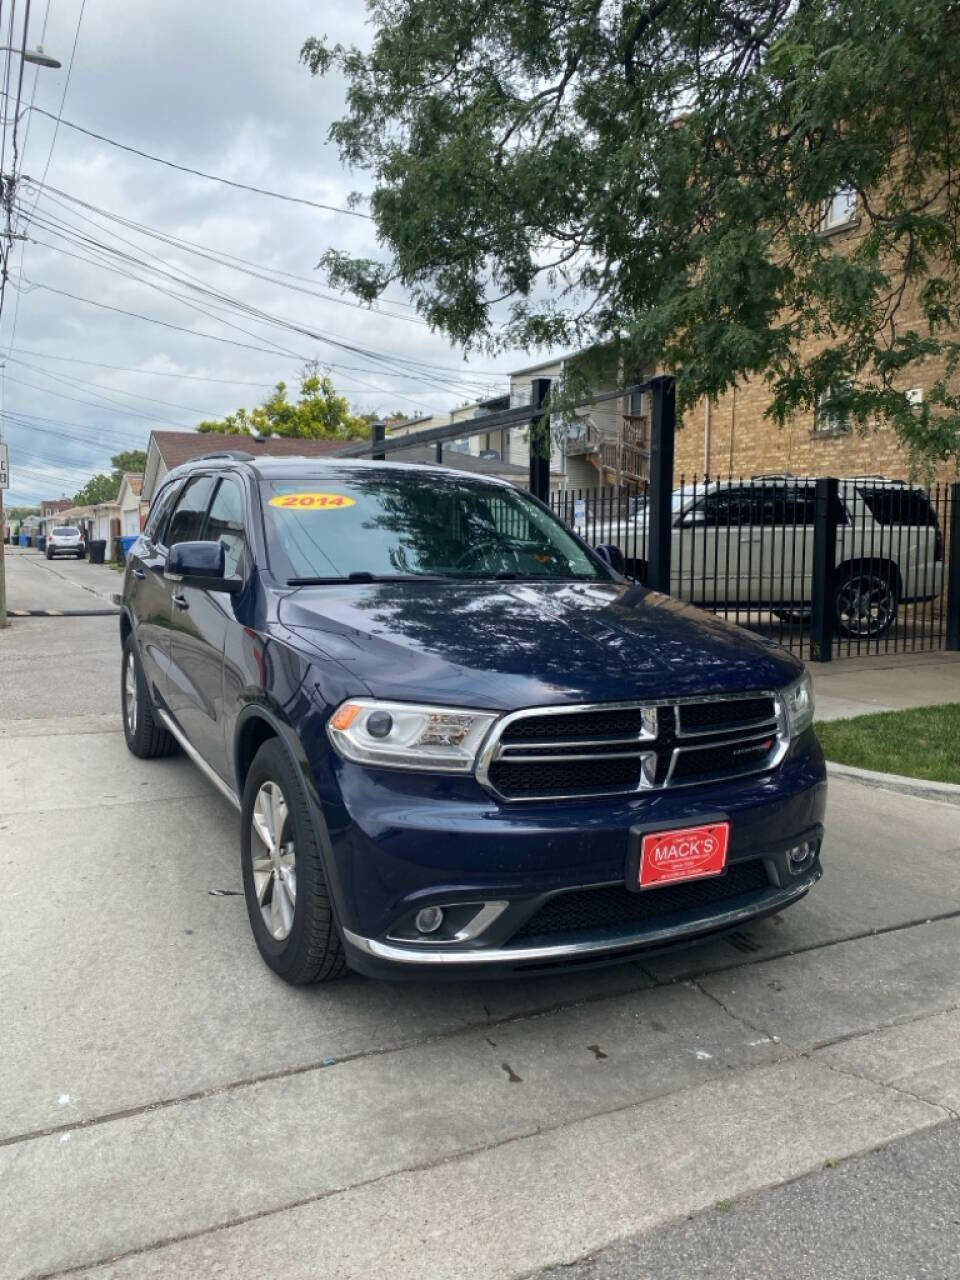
832	419
839	211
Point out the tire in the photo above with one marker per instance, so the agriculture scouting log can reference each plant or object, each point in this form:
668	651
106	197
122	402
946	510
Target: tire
865	603
146	738
296	933
79	555
49	555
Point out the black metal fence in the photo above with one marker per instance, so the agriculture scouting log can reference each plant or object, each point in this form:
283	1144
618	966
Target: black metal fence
828	568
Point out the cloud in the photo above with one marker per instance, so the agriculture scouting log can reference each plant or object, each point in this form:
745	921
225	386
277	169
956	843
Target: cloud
216	87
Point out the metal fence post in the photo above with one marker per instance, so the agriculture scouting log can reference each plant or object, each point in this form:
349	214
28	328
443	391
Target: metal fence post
379	434
827	505
953	571
663	423
540	441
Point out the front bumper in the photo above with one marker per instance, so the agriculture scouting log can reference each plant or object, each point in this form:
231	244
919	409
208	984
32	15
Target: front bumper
382	958
399	843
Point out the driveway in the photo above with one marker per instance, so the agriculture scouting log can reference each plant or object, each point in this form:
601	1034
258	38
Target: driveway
169	1108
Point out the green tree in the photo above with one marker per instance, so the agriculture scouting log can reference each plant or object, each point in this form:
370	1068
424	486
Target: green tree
650	176
134	460
99	488
319	414
104	488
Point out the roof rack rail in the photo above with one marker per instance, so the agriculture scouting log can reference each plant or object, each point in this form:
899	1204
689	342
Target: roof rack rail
238	455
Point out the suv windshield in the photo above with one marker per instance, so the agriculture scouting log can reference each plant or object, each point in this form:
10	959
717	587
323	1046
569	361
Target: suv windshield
66	533
395	523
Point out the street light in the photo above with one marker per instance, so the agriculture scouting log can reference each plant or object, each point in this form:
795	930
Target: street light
36	56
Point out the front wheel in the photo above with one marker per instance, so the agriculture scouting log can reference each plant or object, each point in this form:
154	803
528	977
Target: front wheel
866	604
288	901
144	735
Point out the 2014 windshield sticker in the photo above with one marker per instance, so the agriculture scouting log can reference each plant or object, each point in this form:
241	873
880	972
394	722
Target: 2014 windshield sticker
312	501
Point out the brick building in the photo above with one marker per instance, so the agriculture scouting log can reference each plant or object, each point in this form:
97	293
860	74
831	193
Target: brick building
732	435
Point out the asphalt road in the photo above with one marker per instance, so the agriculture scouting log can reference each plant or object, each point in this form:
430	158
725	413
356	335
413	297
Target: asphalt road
892	1214
169	1108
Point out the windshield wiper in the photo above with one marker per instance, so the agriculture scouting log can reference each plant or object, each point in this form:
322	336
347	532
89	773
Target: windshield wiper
362	575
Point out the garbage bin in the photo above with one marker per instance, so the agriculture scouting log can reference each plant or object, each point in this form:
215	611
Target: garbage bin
24	540
126	542
41	542
96	549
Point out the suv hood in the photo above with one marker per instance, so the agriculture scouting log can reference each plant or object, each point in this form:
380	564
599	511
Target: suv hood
503	645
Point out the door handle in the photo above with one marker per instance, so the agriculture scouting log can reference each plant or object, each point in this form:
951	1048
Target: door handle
139	573
181	601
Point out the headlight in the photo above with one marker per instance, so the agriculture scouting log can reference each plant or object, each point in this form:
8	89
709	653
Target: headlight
402	735
798	700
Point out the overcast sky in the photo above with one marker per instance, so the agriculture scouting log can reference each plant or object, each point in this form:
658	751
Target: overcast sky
219	87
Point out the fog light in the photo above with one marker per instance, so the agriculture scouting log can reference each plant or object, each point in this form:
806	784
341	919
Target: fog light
801	855
429	919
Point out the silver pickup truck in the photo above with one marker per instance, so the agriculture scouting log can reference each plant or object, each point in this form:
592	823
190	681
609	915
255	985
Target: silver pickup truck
750	544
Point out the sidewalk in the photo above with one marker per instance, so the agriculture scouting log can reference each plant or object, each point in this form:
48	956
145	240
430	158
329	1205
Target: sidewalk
893	682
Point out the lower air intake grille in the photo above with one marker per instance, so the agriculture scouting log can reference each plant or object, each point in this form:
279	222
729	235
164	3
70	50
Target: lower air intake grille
614	906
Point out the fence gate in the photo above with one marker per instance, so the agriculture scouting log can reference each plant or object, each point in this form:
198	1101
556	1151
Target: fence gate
829	568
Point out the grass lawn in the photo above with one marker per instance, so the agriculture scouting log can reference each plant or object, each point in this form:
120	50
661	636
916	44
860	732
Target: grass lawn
923	743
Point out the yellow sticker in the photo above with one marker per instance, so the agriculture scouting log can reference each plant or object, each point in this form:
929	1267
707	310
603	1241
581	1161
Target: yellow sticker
312	501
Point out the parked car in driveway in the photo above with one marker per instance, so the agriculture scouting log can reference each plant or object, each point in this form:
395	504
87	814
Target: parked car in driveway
459	741
749	544
65	541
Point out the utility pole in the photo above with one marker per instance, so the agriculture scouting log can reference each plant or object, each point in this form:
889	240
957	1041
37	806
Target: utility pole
8	186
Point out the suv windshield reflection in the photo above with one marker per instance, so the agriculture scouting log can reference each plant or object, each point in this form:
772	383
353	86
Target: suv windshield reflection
393	524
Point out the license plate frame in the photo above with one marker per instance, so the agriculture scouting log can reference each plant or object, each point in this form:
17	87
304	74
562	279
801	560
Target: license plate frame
646	871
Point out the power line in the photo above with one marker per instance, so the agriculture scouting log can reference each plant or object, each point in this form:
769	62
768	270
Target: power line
389	364
63	98
146	373
104	391
200	173
442	376
461	377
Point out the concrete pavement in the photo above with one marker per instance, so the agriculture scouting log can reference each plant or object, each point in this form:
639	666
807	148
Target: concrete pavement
169	1108
61	585
888	682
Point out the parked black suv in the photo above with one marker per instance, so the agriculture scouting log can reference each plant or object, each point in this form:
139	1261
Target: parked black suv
459	741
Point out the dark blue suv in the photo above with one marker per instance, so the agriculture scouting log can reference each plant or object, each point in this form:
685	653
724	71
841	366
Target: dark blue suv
459	741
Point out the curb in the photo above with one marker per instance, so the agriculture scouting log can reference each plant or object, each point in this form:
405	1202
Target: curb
947	792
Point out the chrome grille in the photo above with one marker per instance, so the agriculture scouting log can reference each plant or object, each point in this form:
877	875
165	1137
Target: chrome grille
546	753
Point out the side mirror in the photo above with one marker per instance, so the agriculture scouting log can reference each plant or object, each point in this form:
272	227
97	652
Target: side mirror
201	564
611	556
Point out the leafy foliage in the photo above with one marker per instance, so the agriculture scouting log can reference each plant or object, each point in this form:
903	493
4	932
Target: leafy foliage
105	488
319	413
650	176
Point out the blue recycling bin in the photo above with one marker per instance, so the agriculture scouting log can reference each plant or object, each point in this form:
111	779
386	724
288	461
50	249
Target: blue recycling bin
126	542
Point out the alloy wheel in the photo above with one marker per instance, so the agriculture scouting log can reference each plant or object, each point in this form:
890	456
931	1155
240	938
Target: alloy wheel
274	861
866	605
130	694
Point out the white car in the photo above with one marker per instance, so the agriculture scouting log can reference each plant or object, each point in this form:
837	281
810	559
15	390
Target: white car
65	541
750	544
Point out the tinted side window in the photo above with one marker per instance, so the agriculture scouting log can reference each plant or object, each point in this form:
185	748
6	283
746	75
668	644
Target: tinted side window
186	523
899	506
225	524
726	507
157	518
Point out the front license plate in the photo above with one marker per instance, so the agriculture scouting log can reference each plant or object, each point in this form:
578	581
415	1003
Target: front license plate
686	853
